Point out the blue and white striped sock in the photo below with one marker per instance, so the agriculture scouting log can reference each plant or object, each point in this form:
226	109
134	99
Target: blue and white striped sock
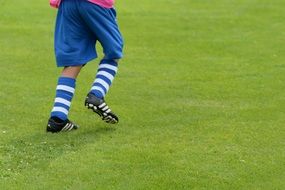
104	78
64	94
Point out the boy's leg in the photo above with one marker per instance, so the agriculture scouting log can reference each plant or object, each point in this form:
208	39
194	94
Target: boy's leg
95	99
64	93
71	72
74	47
105	75
103	24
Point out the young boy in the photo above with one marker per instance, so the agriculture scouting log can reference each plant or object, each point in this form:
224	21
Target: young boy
79	25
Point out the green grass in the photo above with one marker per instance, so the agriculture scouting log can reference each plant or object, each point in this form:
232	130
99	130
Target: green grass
200	94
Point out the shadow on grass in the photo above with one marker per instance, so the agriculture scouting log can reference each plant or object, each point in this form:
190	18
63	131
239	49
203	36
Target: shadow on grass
36	151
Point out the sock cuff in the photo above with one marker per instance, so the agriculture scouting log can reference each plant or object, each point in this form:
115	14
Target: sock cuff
67	81
109	61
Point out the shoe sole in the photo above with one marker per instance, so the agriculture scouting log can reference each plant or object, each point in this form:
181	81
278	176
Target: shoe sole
68	127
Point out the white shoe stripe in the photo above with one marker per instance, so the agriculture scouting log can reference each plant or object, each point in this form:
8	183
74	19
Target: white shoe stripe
63	101
106	74
65	88
105	108
65	127
71	127
102	105
104	83
60	109
108	66
99	89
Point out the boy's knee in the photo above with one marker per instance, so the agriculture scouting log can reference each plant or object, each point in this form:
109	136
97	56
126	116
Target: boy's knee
115	52
110	61
114	55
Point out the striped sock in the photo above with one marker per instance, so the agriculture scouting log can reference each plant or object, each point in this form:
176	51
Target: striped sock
64	93
105	75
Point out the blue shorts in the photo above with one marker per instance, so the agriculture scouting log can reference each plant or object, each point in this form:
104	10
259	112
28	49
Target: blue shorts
79	25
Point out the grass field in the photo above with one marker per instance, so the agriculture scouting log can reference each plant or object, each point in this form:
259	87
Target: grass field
200	95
